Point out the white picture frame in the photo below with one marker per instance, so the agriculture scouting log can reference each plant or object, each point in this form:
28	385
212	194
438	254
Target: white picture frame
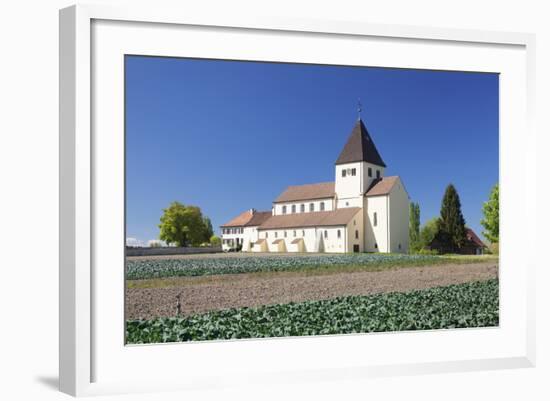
92	38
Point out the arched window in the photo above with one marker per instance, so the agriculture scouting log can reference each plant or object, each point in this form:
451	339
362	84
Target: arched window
285	234
284	209
293	208
294	233
375	219
322	206
275	234
311	207
326	234
302	208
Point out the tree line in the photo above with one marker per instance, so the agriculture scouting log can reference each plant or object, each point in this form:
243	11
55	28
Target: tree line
449	229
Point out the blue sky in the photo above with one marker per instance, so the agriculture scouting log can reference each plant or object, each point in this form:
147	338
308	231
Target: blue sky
229	136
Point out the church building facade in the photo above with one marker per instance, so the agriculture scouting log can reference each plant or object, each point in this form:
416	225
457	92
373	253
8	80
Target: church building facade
362	210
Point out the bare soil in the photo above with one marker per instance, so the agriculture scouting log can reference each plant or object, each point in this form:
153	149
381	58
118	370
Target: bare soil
204	294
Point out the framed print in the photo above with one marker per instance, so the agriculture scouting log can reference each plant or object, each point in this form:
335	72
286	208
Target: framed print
277	200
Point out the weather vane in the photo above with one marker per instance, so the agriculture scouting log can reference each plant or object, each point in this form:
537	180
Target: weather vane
359	108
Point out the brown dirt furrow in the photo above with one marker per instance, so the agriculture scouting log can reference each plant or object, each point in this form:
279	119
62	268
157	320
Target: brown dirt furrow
222	292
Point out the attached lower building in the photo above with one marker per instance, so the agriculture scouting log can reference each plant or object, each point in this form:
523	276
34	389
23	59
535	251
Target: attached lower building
360	211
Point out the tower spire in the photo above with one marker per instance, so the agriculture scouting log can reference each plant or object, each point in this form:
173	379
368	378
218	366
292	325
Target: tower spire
359	109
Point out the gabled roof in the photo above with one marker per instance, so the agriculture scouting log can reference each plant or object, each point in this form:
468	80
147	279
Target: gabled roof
248	218
338	217
306	192
258	218
360	147
240	220
472	237
381	186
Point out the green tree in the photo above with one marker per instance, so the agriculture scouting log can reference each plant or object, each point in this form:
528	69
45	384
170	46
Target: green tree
215	240
182	225
208	230
490	216
428	232
414	226
452	226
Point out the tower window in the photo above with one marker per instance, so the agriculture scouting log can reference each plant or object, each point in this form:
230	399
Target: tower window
343	172
377	173
284	209
370	172
293	208
322	205
311	207
375	219
302	208
353	171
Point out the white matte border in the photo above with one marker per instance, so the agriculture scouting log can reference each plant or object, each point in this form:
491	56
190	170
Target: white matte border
124	369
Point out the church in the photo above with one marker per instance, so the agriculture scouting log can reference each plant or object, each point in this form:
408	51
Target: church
362	210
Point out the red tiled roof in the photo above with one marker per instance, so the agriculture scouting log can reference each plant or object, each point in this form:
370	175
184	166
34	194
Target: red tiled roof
240	220
472	236
338	217
306	192
258	218
382	186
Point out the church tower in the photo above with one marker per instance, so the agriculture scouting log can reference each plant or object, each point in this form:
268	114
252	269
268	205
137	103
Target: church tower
358	165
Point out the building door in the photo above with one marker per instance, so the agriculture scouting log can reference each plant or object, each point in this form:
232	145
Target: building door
356	248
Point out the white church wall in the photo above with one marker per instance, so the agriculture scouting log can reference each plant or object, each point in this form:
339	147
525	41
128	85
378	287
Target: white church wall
377	235
250	235
355	232
328	206
399	219
349	186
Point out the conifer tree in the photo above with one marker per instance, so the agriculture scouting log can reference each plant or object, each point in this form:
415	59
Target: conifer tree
414	226
451	221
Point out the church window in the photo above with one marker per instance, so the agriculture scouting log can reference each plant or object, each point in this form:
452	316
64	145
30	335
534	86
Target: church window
377	173
347	203
284	209
285	234
356	234
294	233
311	207
375	218
326	234
343	172
370	172
266	234
303	233
302	208
293	208
354	222
339	234
353	171
322	206
275	234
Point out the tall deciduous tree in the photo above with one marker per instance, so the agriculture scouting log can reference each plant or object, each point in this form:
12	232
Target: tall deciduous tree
183	225
414	226
452	227
428	232
490	219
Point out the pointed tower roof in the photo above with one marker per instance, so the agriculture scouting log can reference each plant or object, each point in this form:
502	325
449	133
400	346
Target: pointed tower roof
360	147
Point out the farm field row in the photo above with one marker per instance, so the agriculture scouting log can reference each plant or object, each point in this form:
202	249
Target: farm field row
221	264
472	304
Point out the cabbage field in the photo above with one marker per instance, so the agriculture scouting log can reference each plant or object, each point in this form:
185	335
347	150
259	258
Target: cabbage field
457	306
156	268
